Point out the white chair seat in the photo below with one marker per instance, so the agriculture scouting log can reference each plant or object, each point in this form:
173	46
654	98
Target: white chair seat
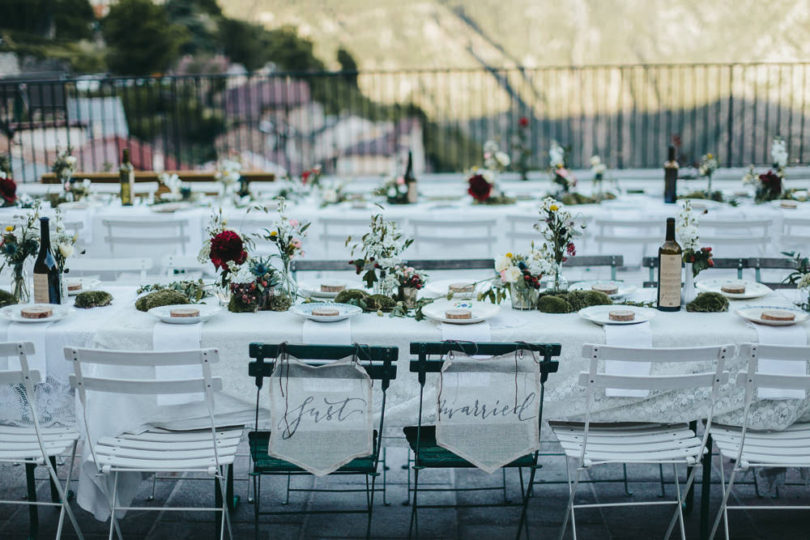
629	443
168	450
20	443
790	447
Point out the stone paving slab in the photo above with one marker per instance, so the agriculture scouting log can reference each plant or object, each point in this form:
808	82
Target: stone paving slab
545	515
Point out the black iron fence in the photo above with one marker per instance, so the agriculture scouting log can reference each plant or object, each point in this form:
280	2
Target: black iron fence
361	123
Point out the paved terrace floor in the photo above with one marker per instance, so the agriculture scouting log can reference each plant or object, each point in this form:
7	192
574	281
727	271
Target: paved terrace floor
545	510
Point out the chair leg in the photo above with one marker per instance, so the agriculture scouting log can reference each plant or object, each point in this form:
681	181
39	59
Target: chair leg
287	500
63	498
690	478
624	477
525	506
723	510
371	504
257	490
569	510
414	524
154	488
33	511
407	467
385	468
222	481
680	502
661	480
113	505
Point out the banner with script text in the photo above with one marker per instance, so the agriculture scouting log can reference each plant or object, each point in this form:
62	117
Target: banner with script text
488	408
321	416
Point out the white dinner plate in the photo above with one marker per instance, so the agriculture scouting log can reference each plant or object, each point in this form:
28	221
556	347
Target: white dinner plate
703	204
312	289
601	314
170	207
481	311
754	314
623	292
752	288
88	284
12	313
440	288
163	313
345	311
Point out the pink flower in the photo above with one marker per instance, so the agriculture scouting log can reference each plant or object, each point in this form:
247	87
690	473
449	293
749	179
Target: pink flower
293	223
400	180
296	243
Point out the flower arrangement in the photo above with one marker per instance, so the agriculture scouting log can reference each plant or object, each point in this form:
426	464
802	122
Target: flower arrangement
63	241
244	291
494	158
312	177
395	190
598	169
706	168
333	193
19	242
768	186
522	274
779	155
410	283
287	235
483	188
559	230
228	172
561	175
800	277
224	248
521	149
8	189
64	166
378	253
171	187
688	236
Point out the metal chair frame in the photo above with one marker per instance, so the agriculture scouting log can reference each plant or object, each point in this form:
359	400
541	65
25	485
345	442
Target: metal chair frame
12	439
379	363
424	364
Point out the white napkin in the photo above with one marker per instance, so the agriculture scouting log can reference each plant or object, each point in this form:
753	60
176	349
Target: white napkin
478	332
177	337
627	335
35	333
781	335
329	333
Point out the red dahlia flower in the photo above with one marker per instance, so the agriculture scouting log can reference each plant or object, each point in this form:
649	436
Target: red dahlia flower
479	188
8	190
523	121
227	246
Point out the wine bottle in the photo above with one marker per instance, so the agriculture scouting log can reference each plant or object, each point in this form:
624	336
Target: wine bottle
47	278
410	181
126	175
671	177
670	256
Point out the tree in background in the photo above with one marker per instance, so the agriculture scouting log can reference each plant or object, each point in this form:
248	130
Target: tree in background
201	18
140	38
63	19
347	63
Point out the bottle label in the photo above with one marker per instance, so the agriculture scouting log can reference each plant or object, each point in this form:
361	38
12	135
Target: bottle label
413	193
669	281
41	295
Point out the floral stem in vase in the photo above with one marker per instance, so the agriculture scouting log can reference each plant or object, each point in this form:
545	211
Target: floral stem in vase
21	292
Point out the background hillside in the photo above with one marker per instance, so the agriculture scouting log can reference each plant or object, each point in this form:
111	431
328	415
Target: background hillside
397	34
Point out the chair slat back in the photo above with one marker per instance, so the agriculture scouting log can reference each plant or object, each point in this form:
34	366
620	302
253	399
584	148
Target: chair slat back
646	354
652	382
18	376
145	386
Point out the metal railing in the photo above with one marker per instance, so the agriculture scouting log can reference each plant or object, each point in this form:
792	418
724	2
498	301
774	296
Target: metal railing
361	123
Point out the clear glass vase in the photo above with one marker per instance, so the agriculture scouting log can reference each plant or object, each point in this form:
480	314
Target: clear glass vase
408	296
384	286
22	294
523	297
559	283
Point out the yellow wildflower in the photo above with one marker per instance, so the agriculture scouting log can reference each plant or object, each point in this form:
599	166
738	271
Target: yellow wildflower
709	156
553	207
509	254
9	228
274	233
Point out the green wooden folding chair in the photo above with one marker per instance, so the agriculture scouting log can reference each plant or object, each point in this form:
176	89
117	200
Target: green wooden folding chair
429	358
378	362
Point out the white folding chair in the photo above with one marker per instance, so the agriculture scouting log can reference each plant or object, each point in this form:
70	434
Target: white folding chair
180	266
728	234
642	233
589	445
210	450
795	232
460	234
521	231
83	266
159	234
747	447
335	230
35	445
